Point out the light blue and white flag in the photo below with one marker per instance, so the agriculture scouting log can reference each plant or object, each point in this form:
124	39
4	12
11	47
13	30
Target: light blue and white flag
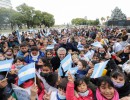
26	73
97	44
5	65
80	47
72	71
98	69
54	42
60	72
66	63
89	54
19	36
50	47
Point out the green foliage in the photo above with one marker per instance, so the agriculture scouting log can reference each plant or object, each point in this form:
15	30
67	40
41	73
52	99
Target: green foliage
25	15
82	21
117	14
48	19
79	21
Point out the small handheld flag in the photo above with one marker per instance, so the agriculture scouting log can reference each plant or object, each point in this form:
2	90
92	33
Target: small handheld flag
98	69
5	65
72	71
18	36
26	73
97	44
66	63
50	47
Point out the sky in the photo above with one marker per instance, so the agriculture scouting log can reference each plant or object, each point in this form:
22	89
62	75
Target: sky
65	10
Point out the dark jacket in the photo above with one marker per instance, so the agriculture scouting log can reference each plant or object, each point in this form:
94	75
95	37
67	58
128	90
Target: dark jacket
55	61
124	91
69	46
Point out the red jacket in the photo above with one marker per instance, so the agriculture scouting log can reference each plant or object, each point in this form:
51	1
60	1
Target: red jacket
30	83
70	93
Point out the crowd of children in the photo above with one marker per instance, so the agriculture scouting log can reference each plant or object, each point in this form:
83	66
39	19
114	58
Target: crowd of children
48	84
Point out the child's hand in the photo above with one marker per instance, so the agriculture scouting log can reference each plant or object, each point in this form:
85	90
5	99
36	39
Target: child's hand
118	58
34	90
11	98
90	71
3	83
47	95
26	54
76	94
125	98
13	71
70	77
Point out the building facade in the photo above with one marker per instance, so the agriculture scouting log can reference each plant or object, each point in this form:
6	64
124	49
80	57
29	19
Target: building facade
5	3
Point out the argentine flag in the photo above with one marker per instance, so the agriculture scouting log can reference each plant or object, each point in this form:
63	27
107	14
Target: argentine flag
72	71
66	63
50	47
89	54
97	44
5	65
98	69
26	73
18	36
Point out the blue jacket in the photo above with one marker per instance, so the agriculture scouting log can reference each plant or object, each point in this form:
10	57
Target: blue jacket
29	58
20	54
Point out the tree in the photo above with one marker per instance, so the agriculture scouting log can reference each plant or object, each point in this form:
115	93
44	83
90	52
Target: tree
48	19
28	13
10	16
79	21
117	15
108	18
38	18
102	19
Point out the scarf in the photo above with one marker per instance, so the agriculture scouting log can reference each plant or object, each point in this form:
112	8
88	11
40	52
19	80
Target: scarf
58	98
100	97
35	58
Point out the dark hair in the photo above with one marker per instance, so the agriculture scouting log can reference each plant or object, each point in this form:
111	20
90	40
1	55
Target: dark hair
106	80
63	83
18	58
124	38
79	81
116	73
84	63
33	41
24	44
34	48
44	60
9	49
48	65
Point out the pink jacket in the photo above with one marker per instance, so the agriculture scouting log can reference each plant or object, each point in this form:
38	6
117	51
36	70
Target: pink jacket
70	93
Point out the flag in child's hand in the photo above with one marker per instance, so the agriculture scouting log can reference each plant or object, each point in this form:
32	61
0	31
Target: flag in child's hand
98	69
97	44
72	71
26	73
66	63
5	65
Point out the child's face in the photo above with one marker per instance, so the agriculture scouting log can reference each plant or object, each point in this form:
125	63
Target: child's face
2	57
75	60
46	69
15	52
18	63
106	90
82	87
118	81
82	54
40	62
49	55
61	91
80	66
24	49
